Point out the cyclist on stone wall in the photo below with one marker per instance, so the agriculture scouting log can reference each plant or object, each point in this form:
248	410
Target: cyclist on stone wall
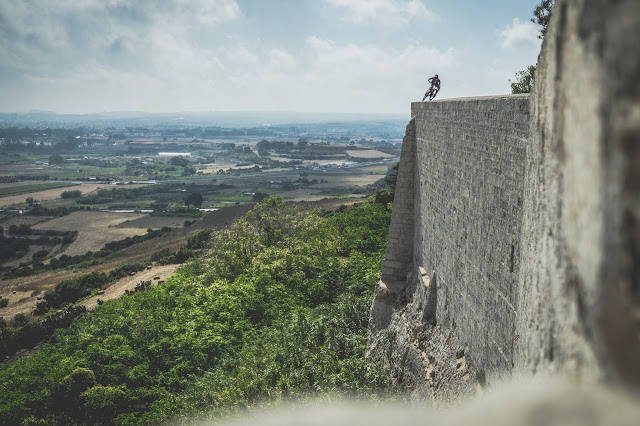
434	89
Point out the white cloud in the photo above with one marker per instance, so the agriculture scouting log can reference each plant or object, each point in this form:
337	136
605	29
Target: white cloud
392	13
352	75
519	33
88	55
325	76
281	61
67	33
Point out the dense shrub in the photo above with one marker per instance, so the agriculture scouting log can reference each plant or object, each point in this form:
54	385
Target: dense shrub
40	254
17	247
20	230
277	309
76	193
69	291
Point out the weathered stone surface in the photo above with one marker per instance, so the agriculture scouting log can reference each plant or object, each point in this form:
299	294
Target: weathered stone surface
468	189
517	235
580	275
397	260
452	257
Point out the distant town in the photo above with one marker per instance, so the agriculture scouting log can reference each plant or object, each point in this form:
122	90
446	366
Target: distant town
72	185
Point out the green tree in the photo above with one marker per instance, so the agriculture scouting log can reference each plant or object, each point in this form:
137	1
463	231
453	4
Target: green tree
263	148
188	171
277	307
195	198
179	161
391	178
102	403
259	196
76	193
56	159
524	80
542	14
66	398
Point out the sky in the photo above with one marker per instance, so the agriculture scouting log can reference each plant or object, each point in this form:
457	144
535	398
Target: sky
338	56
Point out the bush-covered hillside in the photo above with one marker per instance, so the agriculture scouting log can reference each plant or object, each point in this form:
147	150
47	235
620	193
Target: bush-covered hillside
276	309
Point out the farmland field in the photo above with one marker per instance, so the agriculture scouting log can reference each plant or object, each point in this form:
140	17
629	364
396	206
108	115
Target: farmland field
9	190
18	220
155	222
328	162
369	153
51	194
95	229
343	180
307	194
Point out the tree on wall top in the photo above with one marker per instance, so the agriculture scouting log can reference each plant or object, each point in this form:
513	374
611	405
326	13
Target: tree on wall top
525	78
542	14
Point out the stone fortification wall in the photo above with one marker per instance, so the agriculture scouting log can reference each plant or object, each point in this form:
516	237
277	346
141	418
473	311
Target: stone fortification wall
579	310
398	259
453	253
524	254
468	191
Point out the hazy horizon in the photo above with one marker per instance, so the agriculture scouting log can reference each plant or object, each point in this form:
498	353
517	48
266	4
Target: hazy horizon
225	119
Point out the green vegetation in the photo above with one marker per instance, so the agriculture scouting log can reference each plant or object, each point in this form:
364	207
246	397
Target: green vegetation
26	334
542	15
277	311
76	193
195	199
16	247
56	159
525	78
524	81
33	187
159	197
64	261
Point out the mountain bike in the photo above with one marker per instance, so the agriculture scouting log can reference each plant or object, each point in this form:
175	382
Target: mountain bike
431	93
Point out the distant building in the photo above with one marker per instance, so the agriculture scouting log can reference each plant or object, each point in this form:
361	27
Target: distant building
174	154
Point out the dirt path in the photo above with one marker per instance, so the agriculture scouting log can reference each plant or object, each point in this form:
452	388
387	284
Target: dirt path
49	280
114	291
23	286
117	289
14	308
